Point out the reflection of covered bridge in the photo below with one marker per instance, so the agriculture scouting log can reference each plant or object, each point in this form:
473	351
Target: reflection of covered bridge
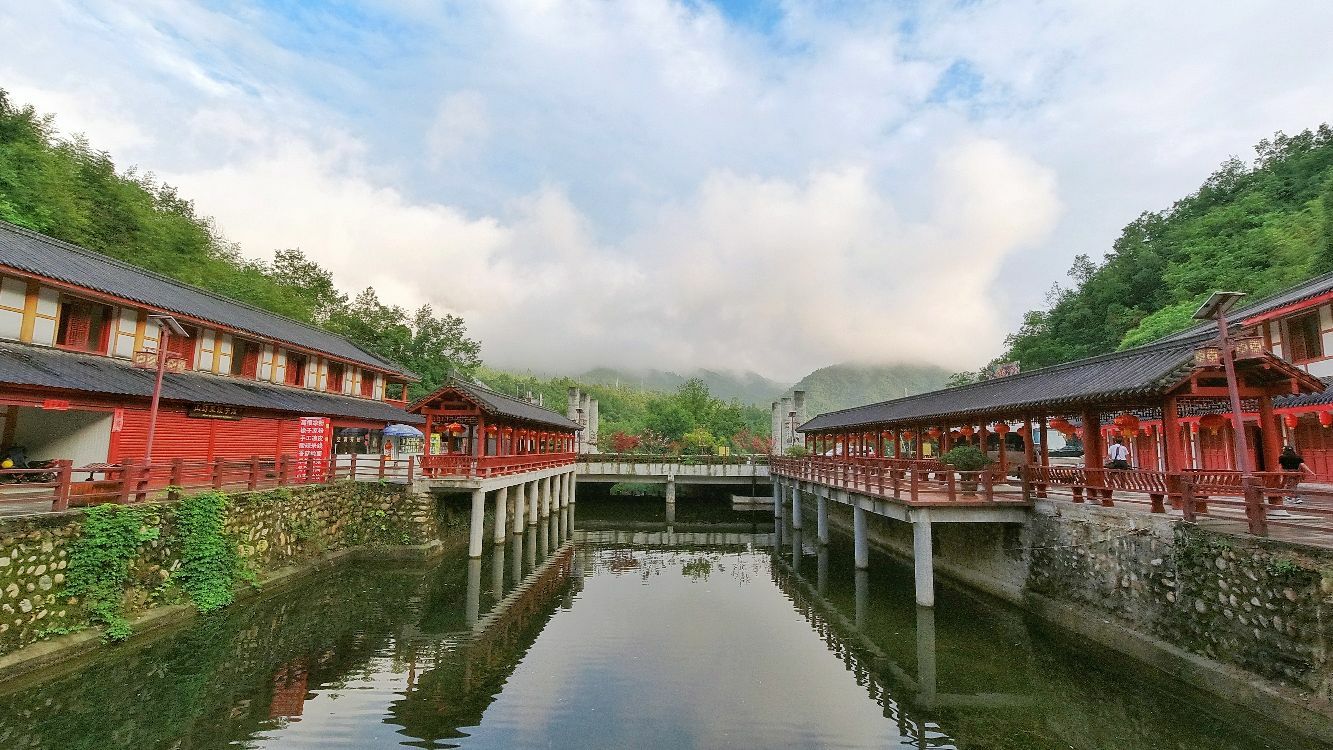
454	691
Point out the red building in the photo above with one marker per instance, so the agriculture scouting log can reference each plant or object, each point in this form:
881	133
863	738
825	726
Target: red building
251	383
474	431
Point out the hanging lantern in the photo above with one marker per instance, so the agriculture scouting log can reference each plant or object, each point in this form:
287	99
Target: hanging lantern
934	433
1022	429
1128	424
888	434
1291	420
1061	424
967	431
1326	418
1213	422
955	435
1001	428
909	435
492	430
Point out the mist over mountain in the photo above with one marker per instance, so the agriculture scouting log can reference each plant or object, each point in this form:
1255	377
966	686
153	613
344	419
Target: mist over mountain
746	387
845	385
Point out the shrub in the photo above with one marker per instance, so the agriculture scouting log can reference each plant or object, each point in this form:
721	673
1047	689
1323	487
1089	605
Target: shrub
966	458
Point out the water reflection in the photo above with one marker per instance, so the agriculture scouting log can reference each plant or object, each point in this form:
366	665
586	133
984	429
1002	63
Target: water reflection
709	631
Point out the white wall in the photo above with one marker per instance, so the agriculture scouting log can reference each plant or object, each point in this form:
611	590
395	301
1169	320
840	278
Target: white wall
13	296
84	437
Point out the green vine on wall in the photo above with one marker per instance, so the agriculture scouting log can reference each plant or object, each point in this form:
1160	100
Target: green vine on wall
99	562
210	566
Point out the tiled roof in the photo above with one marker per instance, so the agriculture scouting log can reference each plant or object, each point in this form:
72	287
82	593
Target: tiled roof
1308	289
27	365
1129	375
493	402
48	257
1322	398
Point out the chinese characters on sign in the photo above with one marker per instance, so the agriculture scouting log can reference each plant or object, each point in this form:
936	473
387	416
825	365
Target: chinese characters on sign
314	437
215	411
146	359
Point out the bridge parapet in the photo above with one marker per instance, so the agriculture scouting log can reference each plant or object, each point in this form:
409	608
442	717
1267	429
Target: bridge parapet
629	467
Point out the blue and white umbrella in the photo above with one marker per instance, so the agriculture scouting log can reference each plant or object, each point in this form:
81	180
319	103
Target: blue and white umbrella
401	430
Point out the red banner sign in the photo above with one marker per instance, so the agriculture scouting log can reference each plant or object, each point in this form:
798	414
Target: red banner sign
315	435
55	404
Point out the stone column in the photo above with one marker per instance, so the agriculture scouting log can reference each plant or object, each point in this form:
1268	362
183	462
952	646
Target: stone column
498	568
501	515
776	431
520	507
585	403
594	429
862	598
543	538
573	487
671	489
516	556
821	519
860	544
533	502
923	558
475	530
798	405
777	496
530	546
784	413
795	505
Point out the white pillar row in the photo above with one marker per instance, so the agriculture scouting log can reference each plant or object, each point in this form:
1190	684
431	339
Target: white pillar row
777	497
923	558
545	492
567	482
821	518
532	503
475	530
795	505
520	509
501	516
860	544
573	487
498	566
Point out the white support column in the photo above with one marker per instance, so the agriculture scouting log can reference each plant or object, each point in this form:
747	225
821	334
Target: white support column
520	507
861	598
501	516
821	519
530	546
475	530
516	553
923	558
777	496
860	544
472	605
498	567
533	502
671	489
573	487
795	505
544	492
543	537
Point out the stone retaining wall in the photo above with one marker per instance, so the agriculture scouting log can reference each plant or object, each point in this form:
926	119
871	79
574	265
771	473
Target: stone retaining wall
272	530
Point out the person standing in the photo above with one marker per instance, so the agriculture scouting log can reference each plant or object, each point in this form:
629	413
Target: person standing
1295	469
1118	454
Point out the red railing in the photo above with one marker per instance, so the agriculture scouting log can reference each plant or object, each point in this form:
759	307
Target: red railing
1260	502
442	466
906	480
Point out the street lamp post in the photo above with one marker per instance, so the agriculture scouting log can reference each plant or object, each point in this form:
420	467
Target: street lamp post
1215	308
166	327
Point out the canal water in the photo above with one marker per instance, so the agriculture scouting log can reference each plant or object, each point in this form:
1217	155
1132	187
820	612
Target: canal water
613	630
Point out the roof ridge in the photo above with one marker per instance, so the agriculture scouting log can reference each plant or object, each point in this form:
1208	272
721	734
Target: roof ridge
104	258
514	399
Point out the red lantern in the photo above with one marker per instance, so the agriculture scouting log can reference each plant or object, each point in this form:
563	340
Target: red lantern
1326	418
455	428
1061	424
933	432
492	430
909	435
1128	423
1001	428
1291	420
1212	421
888	434
967	431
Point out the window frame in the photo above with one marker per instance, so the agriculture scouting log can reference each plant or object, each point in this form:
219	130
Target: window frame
1305	323
103	340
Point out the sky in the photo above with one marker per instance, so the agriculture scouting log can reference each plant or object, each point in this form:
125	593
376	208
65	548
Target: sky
771	187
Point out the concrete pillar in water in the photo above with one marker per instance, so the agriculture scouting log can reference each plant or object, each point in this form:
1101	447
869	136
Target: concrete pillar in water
670	515
472	608
544	496
516	557
520	507
475	530
778	499
796	551
530	548
925	655
557	491
923	558
821	519
862	599
532	503
821	570
501	516
795	505
498	569
573	487
860	544
543	538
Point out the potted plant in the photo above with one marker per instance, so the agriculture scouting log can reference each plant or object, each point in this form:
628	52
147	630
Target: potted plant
967	459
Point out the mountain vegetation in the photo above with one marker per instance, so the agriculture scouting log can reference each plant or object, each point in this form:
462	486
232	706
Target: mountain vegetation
65	188
746	387
1254	227
846	385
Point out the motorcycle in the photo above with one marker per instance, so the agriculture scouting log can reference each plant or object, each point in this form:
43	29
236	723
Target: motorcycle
17	458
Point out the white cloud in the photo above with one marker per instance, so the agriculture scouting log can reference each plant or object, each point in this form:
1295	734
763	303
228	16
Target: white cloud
650	184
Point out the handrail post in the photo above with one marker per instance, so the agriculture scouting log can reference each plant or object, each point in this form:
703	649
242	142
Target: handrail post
1186	496
126	481
253	483
410	466
216	469
988	482
913	484
63	477
950	486
352	471
382	460
177	479
1254	507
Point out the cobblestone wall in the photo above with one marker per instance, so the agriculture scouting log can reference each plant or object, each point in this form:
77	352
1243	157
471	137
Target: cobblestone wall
271	529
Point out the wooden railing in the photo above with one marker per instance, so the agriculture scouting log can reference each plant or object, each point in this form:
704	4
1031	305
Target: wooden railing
1260	501
745	459
443	466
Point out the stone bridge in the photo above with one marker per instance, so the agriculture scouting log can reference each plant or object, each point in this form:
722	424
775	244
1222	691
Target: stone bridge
670	470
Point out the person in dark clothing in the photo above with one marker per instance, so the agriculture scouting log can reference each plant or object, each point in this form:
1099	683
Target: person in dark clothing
1296	470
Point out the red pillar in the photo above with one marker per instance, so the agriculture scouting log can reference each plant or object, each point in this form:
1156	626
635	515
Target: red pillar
1174	441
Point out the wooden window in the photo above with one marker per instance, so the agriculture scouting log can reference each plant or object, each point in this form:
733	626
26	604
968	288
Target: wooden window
84	326
296	365
1304	340
183	346
367	384
245	358
335	380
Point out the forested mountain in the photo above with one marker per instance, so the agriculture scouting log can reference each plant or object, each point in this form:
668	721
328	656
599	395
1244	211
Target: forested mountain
846	385
746	387
67	189
1254	228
